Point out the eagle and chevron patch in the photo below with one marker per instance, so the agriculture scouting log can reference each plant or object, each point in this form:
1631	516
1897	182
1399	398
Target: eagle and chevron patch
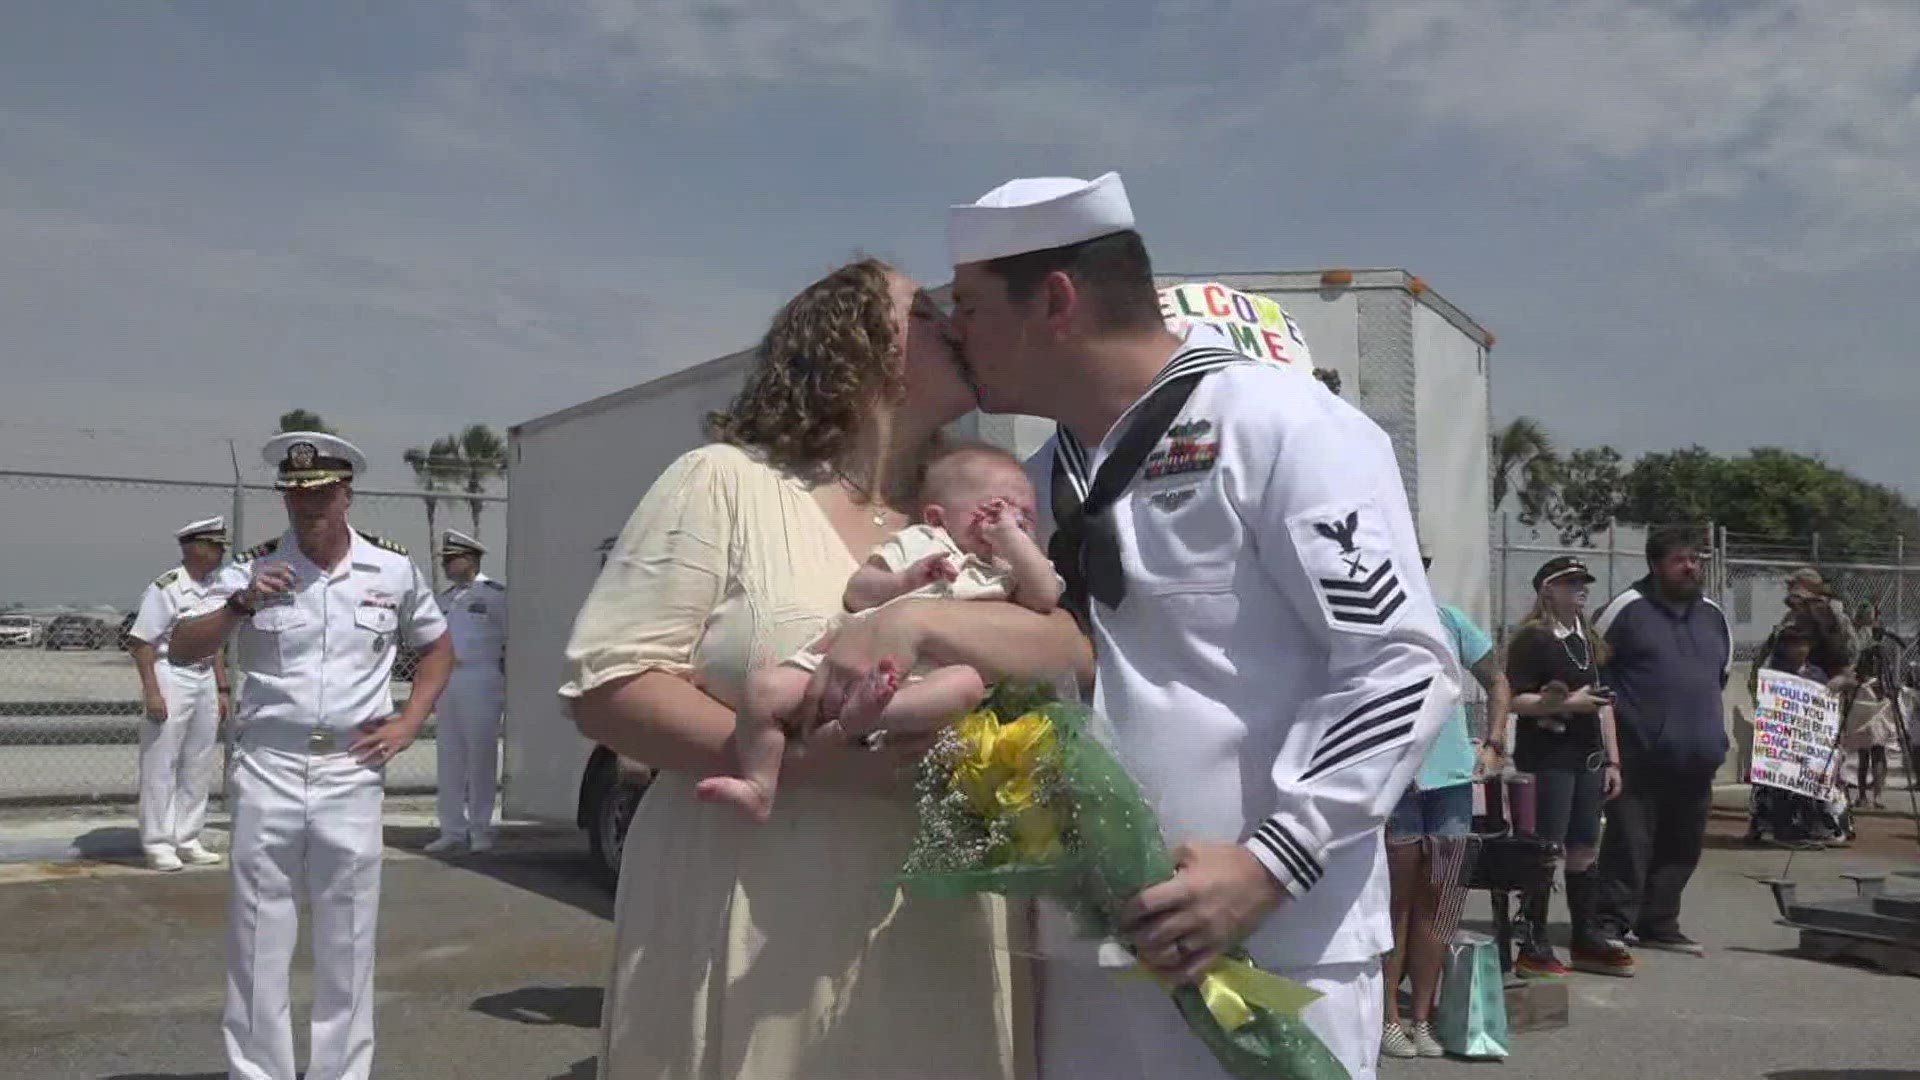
1348	557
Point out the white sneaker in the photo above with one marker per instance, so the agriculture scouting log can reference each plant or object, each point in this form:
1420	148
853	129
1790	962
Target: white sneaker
161	857
193	854
481	843
1421	1035
1394	1043
445	845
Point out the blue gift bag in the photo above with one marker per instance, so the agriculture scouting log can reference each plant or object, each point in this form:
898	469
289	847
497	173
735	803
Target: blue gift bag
1472	1018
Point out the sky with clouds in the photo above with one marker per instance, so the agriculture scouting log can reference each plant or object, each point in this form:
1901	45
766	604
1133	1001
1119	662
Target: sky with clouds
1687	220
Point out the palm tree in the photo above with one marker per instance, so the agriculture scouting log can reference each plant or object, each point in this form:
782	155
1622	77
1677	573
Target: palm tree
435	468
1525	465
483	456
303	420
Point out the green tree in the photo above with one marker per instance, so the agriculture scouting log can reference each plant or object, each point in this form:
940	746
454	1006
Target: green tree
1525	466
483	457
303	420
1591	488
1674	487
436	468
1768	492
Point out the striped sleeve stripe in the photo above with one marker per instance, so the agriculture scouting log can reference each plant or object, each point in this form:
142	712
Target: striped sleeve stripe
1372	727
1334	748
1290	853
1380	741
1369	712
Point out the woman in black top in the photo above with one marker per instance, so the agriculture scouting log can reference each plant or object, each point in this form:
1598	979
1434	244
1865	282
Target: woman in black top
1565	740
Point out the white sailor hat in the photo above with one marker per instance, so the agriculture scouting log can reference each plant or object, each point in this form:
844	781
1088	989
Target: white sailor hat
311	459
213	530
455	542
1037	214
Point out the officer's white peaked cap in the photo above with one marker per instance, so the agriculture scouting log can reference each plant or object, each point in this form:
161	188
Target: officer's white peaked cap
212	530
311	459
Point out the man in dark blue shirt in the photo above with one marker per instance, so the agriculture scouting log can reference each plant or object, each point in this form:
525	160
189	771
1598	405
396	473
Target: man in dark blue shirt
1672	649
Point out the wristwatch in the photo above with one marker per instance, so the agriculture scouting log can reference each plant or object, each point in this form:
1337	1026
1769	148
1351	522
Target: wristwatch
236	603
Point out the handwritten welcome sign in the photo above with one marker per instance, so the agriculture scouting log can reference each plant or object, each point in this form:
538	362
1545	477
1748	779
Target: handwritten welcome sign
1796	723
1259	326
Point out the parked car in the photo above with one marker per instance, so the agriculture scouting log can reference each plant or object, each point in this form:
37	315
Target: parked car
20	632
77	632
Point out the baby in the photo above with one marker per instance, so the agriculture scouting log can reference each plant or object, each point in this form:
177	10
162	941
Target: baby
972	542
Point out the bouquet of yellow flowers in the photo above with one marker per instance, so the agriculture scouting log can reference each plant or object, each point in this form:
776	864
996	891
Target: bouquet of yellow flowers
1021	799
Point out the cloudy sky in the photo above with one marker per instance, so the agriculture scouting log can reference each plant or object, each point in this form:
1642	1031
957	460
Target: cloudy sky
1687	220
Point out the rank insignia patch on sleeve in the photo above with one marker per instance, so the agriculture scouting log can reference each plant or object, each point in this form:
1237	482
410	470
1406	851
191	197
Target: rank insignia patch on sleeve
1348	557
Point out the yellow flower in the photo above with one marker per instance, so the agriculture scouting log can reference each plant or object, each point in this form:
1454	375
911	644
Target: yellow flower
1036	834
978	775
997	772
1025	743
1015	793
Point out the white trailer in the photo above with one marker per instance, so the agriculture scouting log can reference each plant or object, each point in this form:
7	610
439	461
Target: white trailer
1412	361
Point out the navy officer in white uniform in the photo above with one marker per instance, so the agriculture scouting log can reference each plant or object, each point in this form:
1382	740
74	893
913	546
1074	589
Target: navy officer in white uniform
184	704
467	724
1267	648
319	613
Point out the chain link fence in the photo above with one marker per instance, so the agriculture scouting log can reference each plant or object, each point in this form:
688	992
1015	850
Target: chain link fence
80	550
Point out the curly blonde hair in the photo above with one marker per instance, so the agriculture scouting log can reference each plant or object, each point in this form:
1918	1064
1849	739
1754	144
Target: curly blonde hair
828	358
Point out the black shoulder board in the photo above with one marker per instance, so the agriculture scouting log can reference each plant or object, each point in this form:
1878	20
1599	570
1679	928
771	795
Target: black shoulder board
492	584
382	542
167	578
257	551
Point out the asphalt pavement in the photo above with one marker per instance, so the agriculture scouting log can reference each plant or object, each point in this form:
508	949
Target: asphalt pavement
491	967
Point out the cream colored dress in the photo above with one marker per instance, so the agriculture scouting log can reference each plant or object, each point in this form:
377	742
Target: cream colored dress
778	951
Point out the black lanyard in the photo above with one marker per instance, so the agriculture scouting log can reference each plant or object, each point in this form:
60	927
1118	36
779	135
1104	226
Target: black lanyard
1085	548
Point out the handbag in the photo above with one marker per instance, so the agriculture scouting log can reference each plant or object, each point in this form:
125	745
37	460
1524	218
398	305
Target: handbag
1472	1019
1504	862
1506	859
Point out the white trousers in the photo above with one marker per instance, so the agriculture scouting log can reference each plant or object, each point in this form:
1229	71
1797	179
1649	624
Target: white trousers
303	825
467	742
1102	1024
176	757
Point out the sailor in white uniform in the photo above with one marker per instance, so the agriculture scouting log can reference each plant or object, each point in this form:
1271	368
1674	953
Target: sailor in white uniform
184	705
319	613
467	725
1267	648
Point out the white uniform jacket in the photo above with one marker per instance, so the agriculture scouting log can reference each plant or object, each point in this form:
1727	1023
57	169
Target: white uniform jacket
172	596
477	617
1277	667
321	655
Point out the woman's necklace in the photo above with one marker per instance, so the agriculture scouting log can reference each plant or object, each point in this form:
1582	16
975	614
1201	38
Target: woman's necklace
1566	643
878	509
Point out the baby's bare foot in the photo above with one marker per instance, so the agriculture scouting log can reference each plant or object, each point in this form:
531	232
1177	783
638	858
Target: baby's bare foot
865	703
752	798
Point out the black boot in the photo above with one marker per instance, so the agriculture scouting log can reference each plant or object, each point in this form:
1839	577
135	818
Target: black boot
1593	951
1536	959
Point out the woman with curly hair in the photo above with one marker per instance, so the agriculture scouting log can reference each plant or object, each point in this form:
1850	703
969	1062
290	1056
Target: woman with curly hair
782	951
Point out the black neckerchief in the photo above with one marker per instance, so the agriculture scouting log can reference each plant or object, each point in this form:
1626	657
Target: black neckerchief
1085	549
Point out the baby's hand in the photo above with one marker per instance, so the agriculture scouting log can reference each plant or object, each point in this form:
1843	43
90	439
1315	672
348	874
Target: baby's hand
1000	519
936	567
